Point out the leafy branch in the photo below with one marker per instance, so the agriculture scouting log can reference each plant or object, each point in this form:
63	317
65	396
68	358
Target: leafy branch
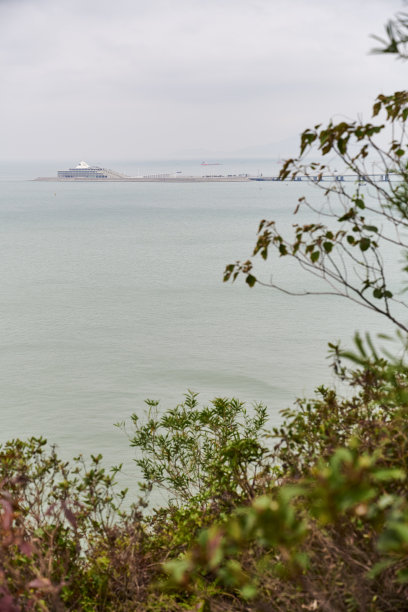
343	244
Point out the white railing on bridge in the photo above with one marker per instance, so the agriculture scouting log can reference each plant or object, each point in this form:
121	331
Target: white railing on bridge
339	178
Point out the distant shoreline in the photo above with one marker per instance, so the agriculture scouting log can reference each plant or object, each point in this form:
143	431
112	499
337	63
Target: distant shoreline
148	179
375	178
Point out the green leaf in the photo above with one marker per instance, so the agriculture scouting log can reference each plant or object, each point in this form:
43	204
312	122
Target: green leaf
342	144
365	244
177	569
390	474
402	575
248	591
350	214
315	256
376	108
250	280
328	246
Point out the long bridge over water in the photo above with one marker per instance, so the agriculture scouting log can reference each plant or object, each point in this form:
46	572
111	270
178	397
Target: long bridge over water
338	178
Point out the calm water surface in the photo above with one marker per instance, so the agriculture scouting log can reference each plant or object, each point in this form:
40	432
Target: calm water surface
113	293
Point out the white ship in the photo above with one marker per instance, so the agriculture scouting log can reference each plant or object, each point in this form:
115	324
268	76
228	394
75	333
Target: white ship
85	171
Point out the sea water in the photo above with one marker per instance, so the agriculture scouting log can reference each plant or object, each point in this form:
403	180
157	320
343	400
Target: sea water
112	293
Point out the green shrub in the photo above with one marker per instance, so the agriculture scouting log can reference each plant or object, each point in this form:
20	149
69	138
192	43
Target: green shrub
313	515
203	453
333	529
64	537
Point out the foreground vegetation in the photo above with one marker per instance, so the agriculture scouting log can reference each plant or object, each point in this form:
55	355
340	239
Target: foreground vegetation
310	516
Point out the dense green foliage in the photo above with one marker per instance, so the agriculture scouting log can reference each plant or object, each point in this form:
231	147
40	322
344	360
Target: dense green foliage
312	515
203	455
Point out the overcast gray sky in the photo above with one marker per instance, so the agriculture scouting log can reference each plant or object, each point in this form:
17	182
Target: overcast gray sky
138	79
